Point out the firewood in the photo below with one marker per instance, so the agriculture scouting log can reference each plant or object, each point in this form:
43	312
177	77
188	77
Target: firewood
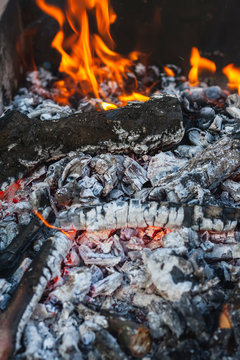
138	127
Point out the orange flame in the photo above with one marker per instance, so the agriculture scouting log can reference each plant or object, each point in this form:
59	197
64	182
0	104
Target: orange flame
68	234
133	97
108	106
168	71
233	75
224	319
87	58
199	64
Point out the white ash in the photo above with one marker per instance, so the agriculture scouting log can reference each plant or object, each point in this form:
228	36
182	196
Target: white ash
233	189
233	112
75	288
108	285
160	266
162	164
91	258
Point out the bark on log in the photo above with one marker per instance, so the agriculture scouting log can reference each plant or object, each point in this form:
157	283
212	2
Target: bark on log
133	213
136	127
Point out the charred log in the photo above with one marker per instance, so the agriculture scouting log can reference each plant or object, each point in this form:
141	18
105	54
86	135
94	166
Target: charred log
11	256
133	213
45	266
138	127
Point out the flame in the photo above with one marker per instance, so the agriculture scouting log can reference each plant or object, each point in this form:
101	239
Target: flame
107	106
133	97
168	71
68	234
87	59
199	64
224	319
233	74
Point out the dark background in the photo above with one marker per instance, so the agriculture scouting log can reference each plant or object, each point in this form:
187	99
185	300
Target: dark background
164	29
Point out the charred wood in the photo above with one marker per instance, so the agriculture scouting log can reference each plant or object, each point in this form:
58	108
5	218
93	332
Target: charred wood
138	127
205	171
45	266
11	256
133	213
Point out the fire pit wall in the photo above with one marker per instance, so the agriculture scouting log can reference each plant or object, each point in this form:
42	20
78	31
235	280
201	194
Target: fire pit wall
165	30
11	68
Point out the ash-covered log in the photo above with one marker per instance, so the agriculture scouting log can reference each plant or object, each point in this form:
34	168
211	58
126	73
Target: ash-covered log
133	213
207	170
138	127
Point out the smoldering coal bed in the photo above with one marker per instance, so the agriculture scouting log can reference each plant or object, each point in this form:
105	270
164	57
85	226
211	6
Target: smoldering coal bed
120	229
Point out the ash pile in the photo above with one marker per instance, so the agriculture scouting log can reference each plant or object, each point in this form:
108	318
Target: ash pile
132	253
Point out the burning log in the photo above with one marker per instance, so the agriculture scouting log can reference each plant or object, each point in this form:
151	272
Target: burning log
45	266
138	127
133	213
205	171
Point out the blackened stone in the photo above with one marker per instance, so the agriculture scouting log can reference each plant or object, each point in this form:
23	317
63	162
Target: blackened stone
207	113
213	92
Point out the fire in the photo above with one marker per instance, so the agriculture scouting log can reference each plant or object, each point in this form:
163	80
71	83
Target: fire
108	106
68	234
199	64
133	97
168	71
233	74
87	59
224	320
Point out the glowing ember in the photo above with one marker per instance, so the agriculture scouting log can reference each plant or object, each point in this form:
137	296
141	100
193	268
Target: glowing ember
9	194
108	106
139	238
199	64
87	59
168	71
233	74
